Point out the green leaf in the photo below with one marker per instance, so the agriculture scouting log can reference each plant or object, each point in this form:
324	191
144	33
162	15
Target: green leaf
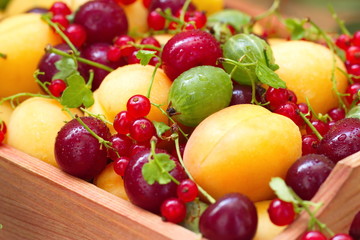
66	67
161	128
77	93
145	56
157	169
233	17
268	76
296	27
282	190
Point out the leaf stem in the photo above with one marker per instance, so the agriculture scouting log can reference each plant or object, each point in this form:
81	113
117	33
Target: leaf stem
80	59
202	191
274	7
340	22
307	121
152	80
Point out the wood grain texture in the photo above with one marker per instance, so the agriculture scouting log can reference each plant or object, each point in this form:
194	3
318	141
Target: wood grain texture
39	201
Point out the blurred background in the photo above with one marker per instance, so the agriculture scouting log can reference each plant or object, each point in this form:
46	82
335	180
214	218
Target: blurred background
317	10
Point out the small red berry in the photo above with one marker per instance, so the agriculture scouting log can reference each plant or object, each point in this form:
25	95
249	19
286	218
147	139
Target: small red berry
356	39
120	165
341	236
304	109
146	3
76	34
60	8
142	130
320	126
3	127
336	114
354	70
156	21
277	96
122	122
343	41
138	106
309	144
124	43
281	213
291	111
353	54
198	18
114	54
173	210
120	146
57	87
61	20
313	235
2	137
187	190
352	91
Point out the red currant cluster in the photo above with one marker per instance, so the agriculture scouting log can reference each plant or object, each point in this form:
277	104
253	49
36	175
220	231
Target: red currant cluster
2	131
282	213
174	209
124	49
132	122
193	19
284	102
75	32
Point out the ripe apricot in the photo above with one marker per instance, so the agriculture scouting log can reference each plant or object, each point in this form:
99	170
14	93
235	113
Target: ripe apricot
137	16
266	230
23	39
111	182
306	67
209	6
129	80
33	127
240	148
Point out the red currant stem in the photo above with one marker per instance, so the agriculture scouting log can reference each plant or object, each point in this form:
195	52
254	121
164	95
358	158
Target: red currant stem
145	46
170	118
274	7
152	157
184	9
46	18
339	21
102	141
307	121
332	47
203	192
3	55
80	59
98	116
18	95
152	79
236	63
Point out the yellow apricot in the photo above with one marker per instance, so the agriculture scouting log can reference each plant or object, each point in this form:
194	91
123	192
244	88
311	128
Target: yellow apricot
307	67
266	230
124	82
209	6
33	127
137	16
240	148
23	39
111	182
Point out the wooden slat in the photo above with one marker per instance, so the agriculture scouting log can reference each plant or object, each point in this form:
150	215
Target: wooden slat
39	201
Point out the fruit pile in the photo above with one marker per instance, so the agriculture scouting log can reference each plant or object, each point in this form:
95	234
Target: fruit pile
192	111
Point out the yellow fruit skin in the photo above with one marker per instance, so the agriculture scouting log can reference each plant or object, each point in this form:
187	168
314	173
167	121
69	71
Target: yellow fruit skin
21	6
111	182
266	230
240	148
209	6
33	127
23	39
137	16
306	67
124	82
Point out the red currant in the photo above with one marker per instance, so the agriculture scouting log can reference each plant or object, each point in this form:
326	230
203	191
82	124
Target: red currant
353	54
3	127
122	122
76	34
2	137
132	59
142	130
320	126
309	144
277	96
343	41
341	236
138	106
197	17
136	148
146	3
120	146
114	54
60	8
304	109
120	165
61	20
173	210
57	87
354	70
352	90
291	111
156	21
124	43
187	190
281	213
336	114
356	39
313	235
150	41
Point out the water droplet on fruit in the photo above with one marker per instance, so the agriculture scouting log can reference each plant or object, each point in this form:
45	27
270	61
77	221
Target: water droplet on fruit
342	137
